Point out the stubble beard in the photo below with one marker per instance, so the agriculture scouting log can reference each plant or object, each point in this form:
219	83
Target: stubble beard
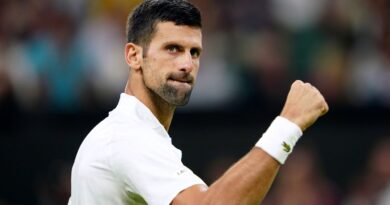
171	95
168	94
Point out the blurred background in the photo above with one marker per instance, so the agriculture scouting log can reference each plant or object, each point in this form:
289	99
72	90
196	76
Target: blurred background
62	68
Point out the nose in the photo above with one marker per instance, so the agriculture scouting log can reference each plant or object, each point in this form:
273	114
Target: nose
186	63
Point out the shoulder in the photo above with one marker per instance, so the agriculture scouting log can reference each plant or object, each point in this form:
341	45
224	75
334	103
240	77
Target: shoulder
137	145
122	127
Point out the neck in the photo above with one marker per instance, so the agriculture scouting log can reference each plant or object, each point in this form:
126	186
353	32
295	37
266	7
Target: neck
160	108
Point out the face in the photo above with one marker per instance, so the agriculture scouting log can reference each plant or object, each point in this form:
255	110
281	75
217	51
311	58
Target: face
171	63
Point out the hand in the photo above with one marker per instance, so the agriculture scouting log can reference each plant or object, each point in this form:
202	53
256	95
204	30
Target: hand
304	105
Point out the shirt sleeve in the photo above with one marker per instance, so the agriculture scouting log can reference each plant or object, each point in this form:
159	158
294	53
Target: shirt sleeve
150	166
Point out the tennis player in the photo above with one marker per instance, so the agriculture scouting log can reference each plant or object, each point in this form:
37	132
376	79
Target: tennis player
128	158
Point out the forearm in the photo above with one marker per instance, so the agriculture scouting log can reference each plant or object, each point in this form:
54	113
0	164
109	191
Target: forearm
246	182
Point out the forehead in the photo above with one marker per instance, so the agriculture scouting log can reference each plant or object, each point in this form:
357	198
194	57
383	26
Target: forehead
184	35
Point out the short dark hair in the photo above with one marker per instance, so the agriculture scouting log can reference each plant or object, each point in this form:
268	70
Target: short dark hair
142	21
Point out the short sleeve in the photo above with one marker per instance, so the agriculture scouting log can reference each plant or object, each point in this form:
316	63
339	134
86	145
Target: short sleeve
150	166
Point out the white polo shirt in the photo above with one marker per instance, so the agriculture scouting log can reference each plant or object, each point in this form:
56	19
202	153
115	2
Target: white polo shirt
128	158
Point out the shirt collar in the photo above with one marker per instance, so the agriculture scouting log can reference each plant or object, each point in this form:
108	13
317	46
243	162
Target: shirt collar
130	105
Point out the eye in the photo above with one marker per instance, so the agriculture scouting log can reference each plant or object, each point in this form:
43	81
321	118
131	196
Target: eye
195	53
173	48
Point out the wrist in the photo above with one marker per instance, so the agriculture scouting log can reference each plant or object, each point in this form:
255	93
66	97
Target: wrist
294	118
280	138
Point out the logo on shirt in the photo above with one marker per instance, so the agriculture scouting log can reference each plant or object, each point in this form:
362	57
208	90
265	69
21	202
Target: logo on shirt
286	147
135	199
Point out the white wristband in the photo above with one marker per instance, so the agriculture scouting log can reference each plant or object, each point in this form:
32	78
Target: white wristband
280	138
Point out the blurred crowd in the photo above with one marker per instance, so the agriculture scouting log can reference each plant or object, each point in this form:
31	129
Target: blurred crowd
67	57
61	56
256	48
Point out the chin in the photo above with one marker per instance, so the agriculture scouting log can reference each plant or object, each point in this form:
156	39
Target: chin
175	96
182	103
179	101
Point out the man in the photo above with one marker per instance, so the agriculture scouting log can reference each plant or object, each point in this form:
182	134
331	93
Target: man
128	158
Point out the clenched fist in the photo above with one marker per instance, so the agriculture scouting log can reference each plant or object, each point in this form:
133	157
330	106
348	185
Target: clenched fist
304	105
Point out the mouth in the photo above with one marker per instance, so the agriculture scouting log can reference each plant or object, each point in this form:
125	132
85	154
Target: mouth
180	81
184	82
180	78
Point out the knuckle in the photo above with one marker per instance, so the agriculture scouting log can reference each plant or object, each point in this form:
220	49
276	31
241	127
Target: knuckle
325	107
297	83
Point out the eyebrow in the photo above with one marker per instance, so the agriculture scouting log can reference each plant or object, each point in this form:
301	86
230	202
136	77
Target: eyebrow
200	49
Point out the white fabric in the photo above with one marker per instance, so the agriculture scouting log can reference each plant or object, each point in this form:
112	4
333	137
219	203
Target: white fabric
280	138
128	153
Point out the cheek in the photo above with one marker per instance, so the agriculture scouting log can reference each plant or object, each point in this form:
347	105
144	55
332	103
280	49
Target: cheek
195	69
149	73
153	73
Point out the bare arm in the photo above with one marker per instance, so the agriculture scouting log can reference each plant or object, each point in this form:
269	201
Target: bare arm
248	181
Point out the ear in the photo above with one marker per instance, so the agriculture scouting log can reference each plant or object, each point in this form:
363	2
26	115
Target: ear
133	56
